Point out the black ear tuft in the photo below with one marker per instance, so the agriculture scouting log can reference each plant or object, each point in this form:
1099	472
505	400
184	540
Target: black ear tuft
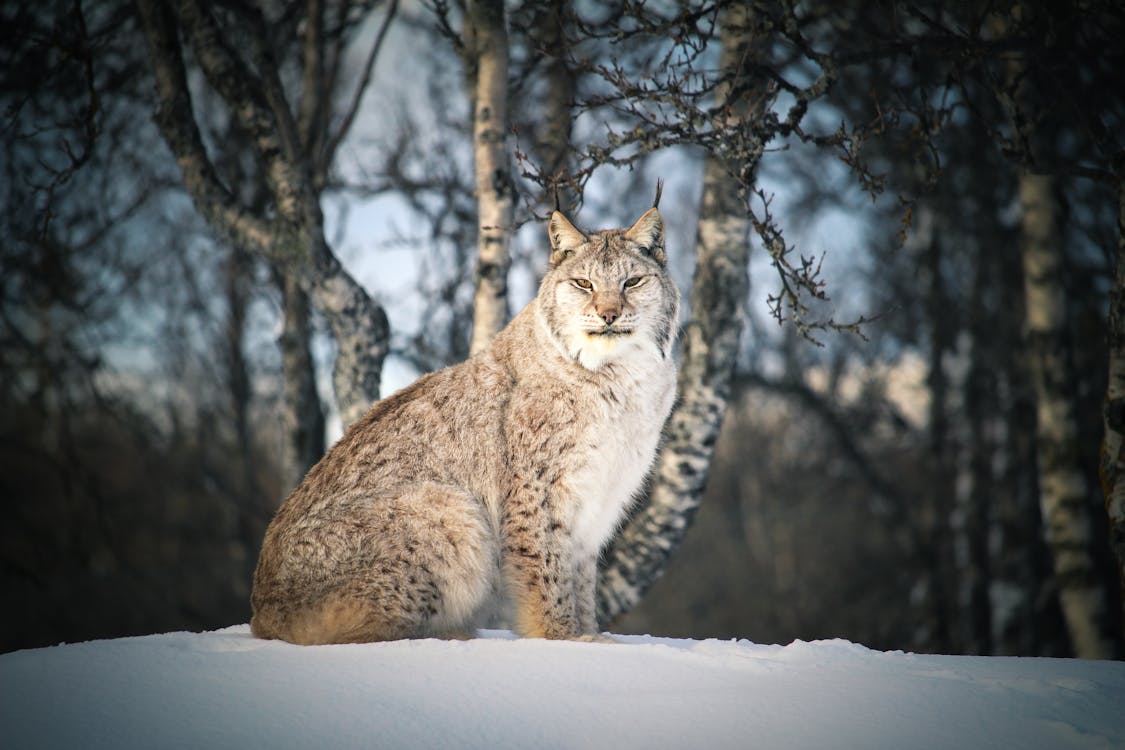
659	190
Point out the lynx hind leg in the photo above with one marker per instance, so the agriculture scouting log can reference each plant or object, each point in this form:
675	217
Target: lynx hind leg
417	565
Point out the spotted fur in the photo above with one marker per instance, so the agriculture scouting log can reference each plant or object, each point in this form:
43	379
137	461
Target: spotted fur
482	494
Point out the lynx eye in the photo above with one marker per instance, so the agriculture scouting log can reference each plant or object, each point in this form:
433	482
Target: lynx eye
633	281
582	284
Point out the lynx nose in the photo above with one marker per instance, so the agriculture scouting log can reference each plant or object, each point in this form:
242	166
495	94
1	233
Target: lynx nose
608	306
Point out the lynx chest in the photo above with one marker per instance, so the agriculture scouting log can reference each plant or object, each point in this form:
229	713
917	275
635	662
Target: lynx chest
617	452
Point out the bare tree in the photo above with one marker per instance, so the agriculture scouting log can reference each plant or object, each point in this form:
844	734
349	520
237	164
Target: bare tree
294	154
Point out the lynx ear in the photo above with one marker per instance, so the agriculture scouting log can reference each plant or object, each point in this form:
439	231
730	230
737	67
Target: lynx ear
648	232
565	239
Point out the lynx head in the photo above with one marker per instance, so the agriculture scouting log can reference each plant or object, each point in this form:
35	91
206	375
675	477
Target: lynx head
607	295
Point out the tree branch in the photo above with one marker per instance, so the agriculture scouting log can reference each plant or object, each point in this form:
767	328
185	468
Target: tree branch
314	92
253	102
176	120
334	141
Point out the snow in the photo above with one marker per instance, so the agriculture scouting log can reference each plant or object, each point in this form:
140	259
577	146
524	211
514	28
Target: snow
226	689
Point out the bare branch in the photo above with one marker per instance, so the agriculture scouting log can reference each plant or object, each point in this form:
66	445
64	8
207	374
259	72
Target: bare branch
315	95
345	125
176	120
255	104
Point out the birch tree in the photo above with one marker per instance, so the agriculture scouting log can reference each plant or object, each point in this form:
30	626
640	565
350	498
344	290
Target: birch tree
680	102
1023	75
486	60
295	148
1064	492
709	345
302	417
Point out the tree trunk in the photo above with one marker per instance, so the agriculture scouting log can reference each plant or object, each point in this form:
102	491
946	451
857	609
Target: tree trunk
552	130
235	275
361	331
640	552
973	560
1064	493
938	513
302	415
487	46
1022	617
1113	442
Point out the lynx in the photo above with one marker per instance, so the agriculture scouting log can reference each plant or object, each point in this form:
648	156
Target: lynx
482	494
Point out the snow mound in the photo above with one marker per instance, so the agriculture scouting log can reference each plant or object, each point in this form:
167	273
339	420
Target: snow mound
226	689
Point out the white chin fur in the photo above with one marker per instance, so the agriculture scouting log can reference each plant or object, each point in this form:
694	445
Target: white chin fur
593	351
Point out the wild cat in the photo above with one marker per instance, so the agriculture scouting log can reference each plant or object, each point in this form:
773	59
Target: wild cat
482	494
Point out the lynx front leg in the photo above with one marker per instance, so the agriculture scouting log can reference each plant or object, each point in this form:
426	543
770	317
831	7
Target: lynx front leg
539	572
585	586
538	508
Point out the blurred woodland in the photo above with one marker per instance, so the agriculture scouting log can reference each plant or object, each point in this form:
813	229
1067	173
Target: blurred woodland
899	229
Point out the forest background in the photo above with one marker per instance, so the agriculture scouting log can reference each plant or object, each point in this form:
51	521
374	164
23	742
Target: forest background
899	229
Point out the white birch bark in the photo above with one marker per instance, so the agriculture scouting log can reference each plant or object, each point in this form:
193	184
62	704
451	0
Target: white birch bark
488	48
1064	492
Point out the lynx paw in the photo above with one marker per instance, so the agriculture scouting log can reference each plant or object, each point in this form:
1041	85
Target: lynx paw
457	635
595	638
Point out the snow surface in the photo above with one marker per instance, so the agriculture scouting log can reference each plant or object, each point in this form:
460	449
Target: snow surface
226	689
